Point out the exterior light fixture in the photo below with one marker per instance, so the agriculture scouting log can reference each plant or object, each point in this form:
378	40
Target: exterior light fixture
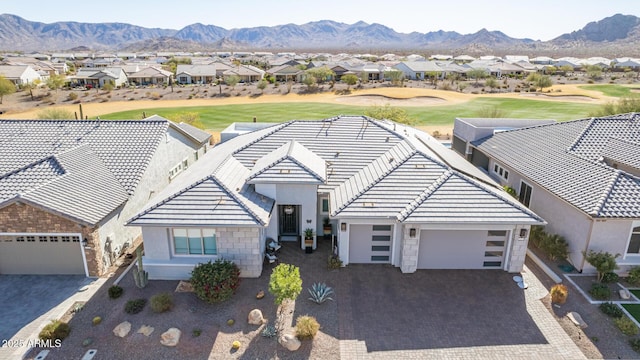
343	226
412	232
523	233
288	209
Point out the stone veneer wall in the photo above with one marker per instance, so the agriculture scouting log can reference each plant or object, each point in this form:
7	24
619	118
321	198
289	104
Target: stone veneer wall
410	247
242	246
518	252
23	218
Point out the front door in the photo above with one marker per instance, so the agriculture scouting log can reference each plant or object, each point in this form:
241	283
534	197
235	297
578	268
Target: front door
288	215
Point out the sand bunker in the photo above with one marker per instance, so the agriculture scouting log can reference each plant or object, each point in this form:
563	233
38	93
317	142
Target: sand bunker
579	98
369	100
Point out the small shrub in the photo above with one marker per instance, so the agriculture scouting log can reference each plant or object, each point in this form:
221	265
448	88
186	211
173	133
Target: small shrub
196	332
96	320
610	277
115	291
55	330
611	310
600	291
626	325
635	344
555	246
236	345
559	294
135	306
269	331
320	293
334	262
634	276
72	96
230	322
306	327
161	302
215	282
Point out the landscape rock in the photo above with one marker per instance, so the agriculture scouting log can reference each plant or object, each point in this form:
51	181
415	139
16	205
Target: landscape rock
170	337
290	342
255	317
145	330
624	294
86	342
122	329
576	319
184	286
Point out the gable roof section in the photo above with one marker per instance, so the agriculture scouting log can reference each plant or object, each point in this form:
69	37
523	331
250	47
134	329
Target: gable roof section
623	152
290	163
220	199
567	160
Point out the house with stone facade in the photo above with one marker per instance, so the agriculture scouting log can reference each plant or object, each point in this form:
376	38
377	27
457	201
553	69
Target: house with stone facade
582	176
393	195
67	187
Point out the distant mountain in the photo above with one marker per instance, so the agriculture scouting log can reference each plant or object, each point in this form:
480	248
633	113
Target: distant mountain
618	33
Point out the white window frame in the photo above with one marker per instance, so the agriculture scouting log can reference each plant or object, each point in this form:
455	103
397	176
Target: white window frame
173	244
634	225
500	171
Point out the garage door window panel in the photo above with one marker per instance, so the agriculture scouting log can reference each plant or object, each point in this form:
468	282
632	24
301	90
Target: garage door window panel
495	243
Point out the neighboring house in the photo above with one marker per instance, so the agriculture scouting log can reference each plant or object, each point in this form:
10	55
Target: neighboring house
393	194
246	73
19	74
150	76
582	176
97	77
285	73
67	187
419	70
196	74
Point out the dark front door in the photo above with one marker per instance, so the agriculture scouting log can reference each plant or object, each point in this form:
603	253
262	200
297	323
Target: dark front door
288	220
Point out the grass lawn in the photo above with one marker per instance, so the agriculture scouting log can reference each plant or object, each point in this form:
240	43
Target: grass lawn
636	293
633	309
219	116
612	90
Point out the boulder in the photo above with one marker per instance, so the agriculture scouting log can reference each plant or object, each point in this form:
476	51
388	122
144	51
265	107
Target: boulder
145	330
255	317
624	294
290	342
576	319
122	329
170	337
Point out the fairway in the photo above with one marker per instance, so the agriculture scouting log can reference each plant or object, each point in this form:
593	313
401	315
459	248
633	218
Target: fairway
613	90
217	117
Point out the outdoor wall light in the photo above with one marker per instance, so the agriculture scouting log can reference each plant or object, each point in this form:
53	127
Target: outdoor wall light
412	232
343	226
523	233
288	209
85	242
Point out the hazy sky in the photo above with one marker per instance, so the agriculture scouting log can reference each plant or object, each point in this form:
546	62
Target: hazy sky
538	19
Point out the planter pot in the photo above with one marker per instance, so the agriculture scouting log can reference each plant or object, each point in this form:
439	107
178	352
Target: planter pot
308	241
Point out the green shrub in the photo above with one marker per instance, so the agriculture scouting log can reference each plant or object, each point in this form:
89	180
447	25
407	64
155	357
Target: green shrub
603	261
115	291
635	344
161	302
285	282
55	330
634	276
610	277
135	306
96	320
611	310
555	246
600	291
72	96
215	282
306	327
626	325
334	262
537	233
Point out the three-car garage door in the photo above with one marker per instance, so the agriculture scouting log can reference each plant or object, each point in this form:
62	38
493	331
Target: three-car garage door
462	249
46	254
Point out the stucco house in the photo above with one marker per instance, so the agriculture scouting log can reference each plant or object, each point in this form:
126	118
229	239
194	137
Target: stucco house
419	70
150	76
19	74
196	74
393	194
98	77
582	176
67	187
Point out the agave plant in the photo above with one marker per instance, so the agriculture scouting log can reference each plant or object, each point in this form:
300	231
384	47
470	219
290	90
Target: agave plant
269	331
320	293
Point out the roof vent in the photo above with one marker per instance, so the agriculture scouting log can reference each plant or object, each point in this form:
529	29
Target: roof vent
368	204
421	166
387	139
337	153
391	159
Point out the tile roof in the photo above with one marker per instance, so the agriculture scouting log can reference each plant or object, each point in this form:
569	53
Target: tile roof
290	163
567	159
623	152
83	169
198	135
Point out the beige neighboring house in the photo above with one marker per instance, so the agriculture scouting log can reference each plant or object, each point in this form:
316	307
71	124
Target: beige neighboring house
67	187
98	77
392	194
19	74
246	73
196	74
582	176
150	76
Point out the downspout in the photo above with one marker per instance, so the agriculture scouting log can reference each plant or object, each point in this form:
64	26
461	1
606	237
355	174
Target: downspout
587	245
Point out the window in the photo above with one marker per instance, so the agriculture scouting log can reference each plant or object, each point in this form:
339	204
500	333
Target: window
194	242
634	241
75	239
20	239
42	238
325	205
379	258
176	170
492	263
495	243
380	238
500	171
525	193
493	253
380	248
53	238
65	238
381	227
501	233
31	238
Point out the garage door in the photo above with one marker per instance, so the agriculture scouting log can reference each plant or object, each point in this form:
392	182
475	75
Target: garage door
462	249
370	244
41	254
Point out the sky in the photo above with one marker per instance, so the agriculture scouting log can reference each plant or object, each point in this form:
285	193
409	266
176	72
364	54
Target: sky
538	20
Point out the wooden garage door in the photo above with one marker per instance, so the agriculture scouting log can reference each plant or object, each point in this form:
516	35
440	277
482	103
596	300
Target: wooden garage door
370	244
462	249
45	254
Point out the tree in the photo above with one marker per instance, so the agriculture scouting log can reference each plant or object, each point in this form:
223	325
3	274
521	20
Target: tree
310	81
477	74
321	74
540	81
108	86
285	283
191	118
6	87
232	80
566	69
55	82
594	72
350	80
55	114
491	83
262	84
622	106
390	113
395	76
550	69
30	87
604	262
432	76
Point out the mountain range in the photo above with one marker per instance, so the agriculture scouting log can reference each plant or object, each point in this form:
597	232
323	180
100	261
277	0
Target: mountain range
618	35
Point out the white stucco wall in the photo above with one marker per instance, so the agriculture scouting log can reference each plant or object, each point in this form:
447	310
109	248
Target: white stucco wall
613	235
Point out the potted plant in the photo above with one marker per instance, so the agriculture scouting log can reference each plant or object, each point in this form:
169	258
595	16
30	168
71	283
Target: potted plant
326	226
308	237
